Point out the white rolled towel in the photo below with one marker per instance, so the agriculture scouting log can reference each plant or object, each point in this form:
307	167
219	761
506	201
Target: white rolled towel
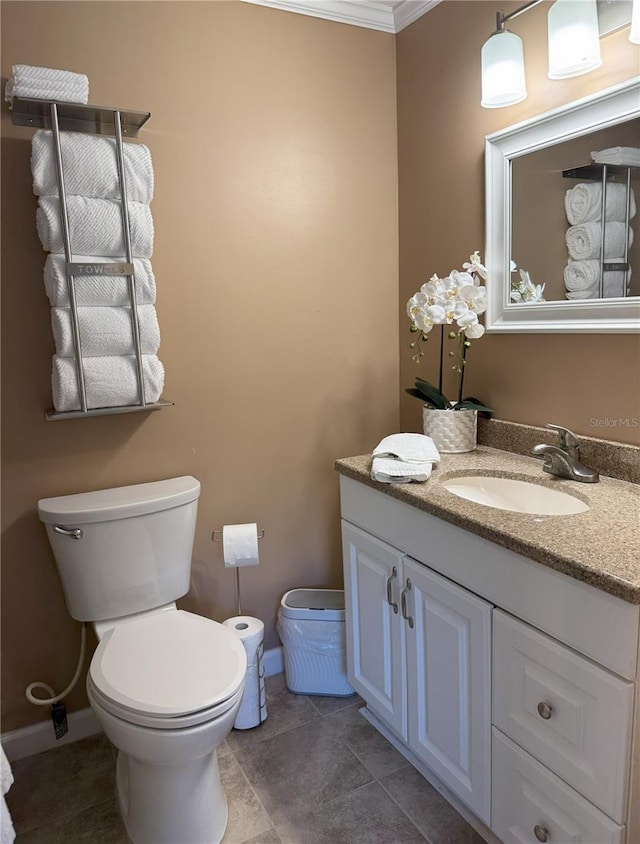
583	241
583	203
626	156
581	275
46	83
95	226
105	331
109	381
582	280
98	290
90	167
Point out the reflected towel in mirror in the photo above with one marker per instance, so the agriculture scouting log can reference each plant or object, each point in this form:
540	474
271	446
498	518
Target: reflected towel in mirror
583	203
583	241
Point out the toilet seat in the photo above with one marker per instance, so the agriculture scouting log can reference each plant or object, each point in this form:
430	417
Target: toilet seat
168	670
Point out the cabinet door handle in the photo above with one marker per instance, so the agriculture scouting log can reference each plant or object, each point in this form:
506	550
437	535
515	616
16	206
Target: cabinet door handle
545	710
403	601
541	832
390	601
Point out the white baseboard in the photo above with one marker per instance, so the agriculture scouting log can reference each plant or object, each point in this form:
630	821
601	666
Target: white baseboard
36	738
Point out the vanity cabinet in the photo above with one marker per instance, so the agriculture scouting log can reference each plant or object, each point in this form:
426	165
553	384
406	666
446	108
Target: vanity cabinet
419	653
513	685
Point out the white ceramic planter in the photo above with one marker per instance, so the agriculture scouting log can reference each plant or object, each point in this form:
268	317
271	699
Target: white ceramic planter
452	431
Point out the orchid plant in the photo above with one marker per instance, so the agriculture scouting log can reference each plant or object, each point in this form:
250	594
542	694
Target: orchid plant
458	298
525	290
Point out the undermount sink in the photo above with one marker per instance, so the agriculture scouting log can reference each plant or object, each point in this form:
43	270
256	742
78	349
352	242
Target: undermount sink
517	496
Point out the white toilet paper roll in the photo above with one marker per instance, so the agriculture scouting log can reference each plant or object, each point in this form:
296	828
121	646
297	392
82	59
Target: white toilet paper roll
240	545
253	709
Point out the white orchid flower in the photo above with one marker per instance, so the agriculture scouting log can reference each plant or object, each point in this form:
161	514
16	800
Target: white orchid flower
474	298
512	266
474	331
430	316
474	265
415	304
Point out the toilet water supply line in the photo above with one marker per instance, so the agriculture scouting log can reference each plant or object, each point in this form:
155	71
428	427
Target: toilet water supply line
53	697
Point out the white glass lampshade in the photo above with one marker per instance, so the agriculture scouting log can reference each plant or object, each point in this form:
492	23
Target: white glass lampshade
503	71
574	38
634	35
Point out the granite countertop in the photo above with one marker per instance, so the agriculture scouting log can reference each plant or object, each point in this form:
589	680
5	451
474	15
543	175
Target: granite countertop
600	546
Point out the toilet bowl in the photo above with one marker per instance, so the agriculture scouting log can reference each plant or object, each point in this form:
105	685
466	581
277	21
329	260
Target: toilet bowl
166	688
165	684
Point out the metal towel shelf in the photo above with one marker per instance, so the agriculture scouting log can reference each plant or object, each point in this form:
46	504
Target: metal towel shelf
95	120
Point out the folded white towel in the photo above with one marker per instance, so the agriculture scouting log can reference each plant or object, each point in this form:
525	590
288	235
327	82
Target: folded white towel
583	241
95	226
410	448
386	470
105	331
109	381
90	167
46	83
7	832
583	203
629	156
98	290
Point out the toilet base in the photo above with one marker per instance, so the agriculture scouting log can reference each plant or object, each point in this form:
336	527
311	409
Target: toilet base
165	804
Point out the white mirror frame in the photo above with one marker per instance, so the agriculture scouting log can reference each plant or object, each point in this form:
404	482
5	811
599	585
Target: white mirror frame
598	111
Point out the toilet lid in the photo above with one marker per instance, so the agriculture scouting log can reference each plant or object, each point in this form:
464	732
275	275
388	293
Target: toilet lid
169	664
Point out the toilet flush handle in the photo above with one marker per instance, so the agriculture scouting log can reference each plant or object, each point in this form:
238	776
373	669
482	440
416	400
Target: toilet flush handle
74	533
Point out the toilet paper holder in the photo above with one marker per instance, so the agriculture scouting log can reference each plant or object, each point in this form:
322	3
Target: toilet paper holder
216	536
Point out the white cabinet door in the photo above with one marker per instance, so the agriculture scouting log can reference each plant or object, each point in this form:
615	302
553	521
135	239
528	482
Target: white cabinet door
449	683
531	804
375	638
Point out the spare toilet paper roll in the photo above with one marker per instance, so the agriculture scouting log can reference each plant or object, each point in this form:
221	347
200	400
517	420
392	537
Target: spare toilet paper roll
253	709
240	545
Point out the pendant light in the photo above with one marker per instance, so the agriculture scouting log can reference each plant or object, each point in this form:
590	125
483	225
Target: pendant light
634	35
574	38
503	82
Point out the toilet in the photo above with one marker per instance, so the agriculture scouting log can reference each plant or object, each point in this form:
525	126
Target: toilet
165	684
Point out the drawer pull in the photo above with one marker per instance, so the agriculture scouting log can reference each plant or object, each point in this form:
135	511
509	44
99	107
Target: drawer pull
545	710
541	832
403	601
390	601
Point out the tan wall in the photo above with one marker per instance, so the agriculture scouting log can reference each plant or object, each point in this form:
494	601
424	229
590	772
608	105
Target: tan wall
274	142
567	379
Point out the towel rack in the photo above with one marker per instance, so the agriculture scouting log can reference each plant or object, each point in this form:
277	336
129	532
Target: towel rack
601	172
96	120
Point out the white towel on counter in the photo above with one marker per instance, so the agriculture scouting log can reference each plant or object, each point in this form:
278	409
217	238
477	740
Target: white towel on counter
583	203
7	832
386	470
90	167
98	290
411	448
46	83
95	226
401	458
626	156
105	331
109	381
583	241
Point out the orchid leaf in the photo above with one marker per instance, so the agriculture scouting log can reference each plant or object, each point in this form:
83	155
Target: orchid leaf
432	394
471	403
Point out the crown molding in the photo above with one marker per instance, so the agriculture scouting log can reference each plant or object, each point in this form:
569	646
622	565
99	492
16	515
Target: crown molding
384	17
408	11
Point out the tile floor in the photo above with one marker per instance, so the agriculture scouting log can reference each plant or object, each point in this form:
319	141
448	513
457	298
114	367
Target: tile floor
316	772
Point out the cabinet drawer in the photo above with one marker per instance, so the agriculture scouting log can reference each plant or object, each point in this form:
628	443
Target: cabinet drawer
530	804
569	713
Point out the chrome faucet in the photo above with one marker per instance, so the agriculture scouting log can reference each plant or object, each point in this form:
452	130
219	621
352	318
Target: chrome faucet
563	460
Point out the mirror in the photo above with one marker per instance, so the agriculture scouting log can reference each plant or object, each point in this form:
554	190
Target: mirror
544	214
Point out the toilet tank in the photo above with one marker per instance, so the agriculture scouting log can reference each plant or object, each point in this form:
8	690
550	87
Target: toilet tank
124	550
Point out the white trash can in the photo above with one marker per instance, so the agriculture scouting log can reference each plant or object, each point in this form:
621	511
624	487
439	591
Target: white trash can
311	627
